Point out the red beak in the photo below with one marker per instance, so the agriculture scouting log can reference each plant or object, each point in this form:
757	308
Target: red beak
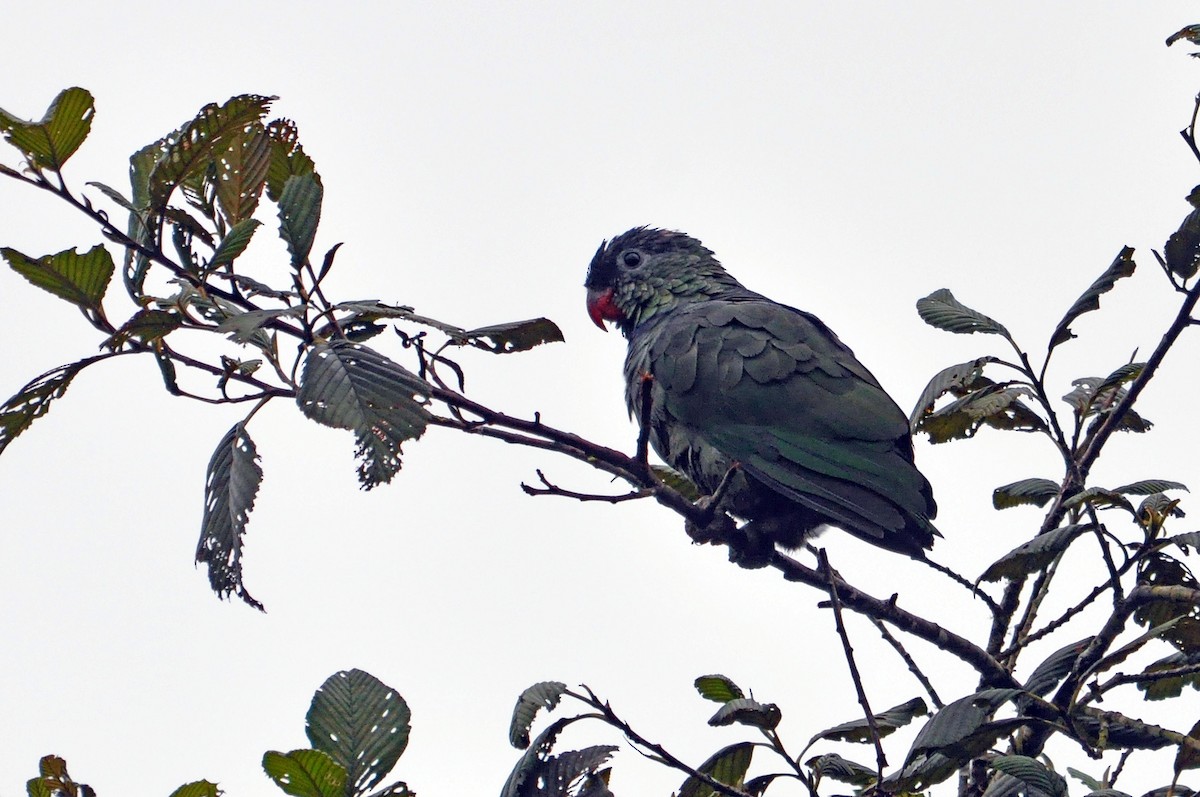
601	307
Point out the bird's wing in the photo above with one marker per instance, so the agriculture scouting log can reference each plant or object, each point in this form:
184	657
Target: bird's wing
774	389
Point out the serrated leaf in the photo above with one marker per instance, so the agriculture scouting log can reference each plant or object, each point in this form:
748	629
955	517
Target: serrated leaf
113	194
859	730
241	173
81	279
362	723
1036	491
33	400
1149	487
349	386
993	405
234	242
198	788
306	773
1054	668
728	765
940	309
514	336
1123	732
145	325
1034	555
542	695
287	157
1122	266
299	214
539	773
842	770
230	488
1032	773
49	143
747	711
718	688
958	379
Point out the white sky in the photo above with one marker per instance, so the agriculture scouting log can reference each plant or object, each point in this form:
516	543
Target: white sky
846	158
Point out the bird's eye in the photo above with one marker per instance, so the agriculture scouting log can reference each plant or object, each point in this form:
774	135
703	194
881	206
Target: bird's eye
631	259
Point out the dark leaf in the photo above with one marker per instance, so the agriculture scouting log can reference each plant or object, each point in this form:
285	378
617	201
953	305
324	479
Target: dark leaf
859	730
1122	376
1149	487
543	695
372	311
1038	492
1123	732
349	386
287	157
1057	665
33	400
1032	773
727	766
514	336
1191	33
842	770
1188	756
234	242
718	688
995	405
940	309
299	214
81	279
1185	541
241	173
747	711
1100	498
1123	266
145	325
1182	249
1181	617
199	788
958	379
229	492
306	773
955	729
540	773
1034	555
362	723
49	143
1163	688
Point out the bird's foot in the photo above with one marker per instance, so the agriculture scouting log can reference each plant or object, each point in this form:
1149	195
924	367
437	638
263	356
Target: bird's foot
747	547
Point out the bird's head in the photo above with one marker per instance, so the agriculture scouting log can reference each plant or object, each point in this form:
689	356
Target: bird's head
645	271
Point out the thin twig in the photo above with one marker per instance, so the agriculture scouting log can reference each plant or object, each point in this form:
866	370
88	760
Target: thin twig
908	660
554	489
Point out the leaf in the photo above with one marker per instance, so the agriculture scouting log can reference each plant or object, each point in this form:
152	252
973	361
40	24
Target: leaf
954	730
113	194
305	773
81	279
1054	668
145	325
287	157
543	695
1034	555
1038	492
1100	498
859	730
33	400
747	711
230	488
514	336
1188	757
995	405
940	309
1149	487
362	723
1182	249
718	688
842	770
242	326
49	143
1122	266
728	765
349	386
299	214
1191	33
198	788
241	173
1164	688
1032	773
234	242
958	379
539	773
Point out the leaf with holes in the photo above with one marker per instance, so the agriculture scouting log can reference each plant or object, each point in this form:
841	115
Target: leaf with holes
1122	266
940	309
299	214
49	143
362	723
718	688
543	695
145	325
859	730
81	279
287	157
306	773
349	386
514	336
540	773
229	492
995	405
728	765
1034	555
241	173
958	379
1038	492
33	400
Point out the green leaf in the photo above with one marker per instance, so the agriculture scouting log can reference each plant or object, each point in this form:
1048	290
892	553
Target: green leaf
1149	487
33	400
540	773
306	773
514	336
241	173
1034	555
1164	688
728	765
1038	492
1122	266
299	214
198	788
234	242
1190	33
955	729
859	730
718	688
842	770
113	194
1033	773
287	157
81	279
940	309
993	405
349	386
747	711
145	325
1099	498
229	491
1056	666
362	723
959	379
49	143
543	695
192	148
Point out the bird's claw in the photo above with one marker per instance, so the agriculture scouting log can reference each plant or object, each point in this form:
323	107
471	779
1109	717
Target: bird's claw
747	548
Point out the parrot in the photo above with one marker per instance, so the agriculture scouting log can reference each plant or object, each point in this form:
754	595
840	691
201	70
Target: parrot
757	401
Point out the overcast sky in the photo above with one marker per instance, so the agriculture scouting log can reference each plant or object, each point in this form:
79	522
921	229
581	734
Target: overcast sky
846	158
